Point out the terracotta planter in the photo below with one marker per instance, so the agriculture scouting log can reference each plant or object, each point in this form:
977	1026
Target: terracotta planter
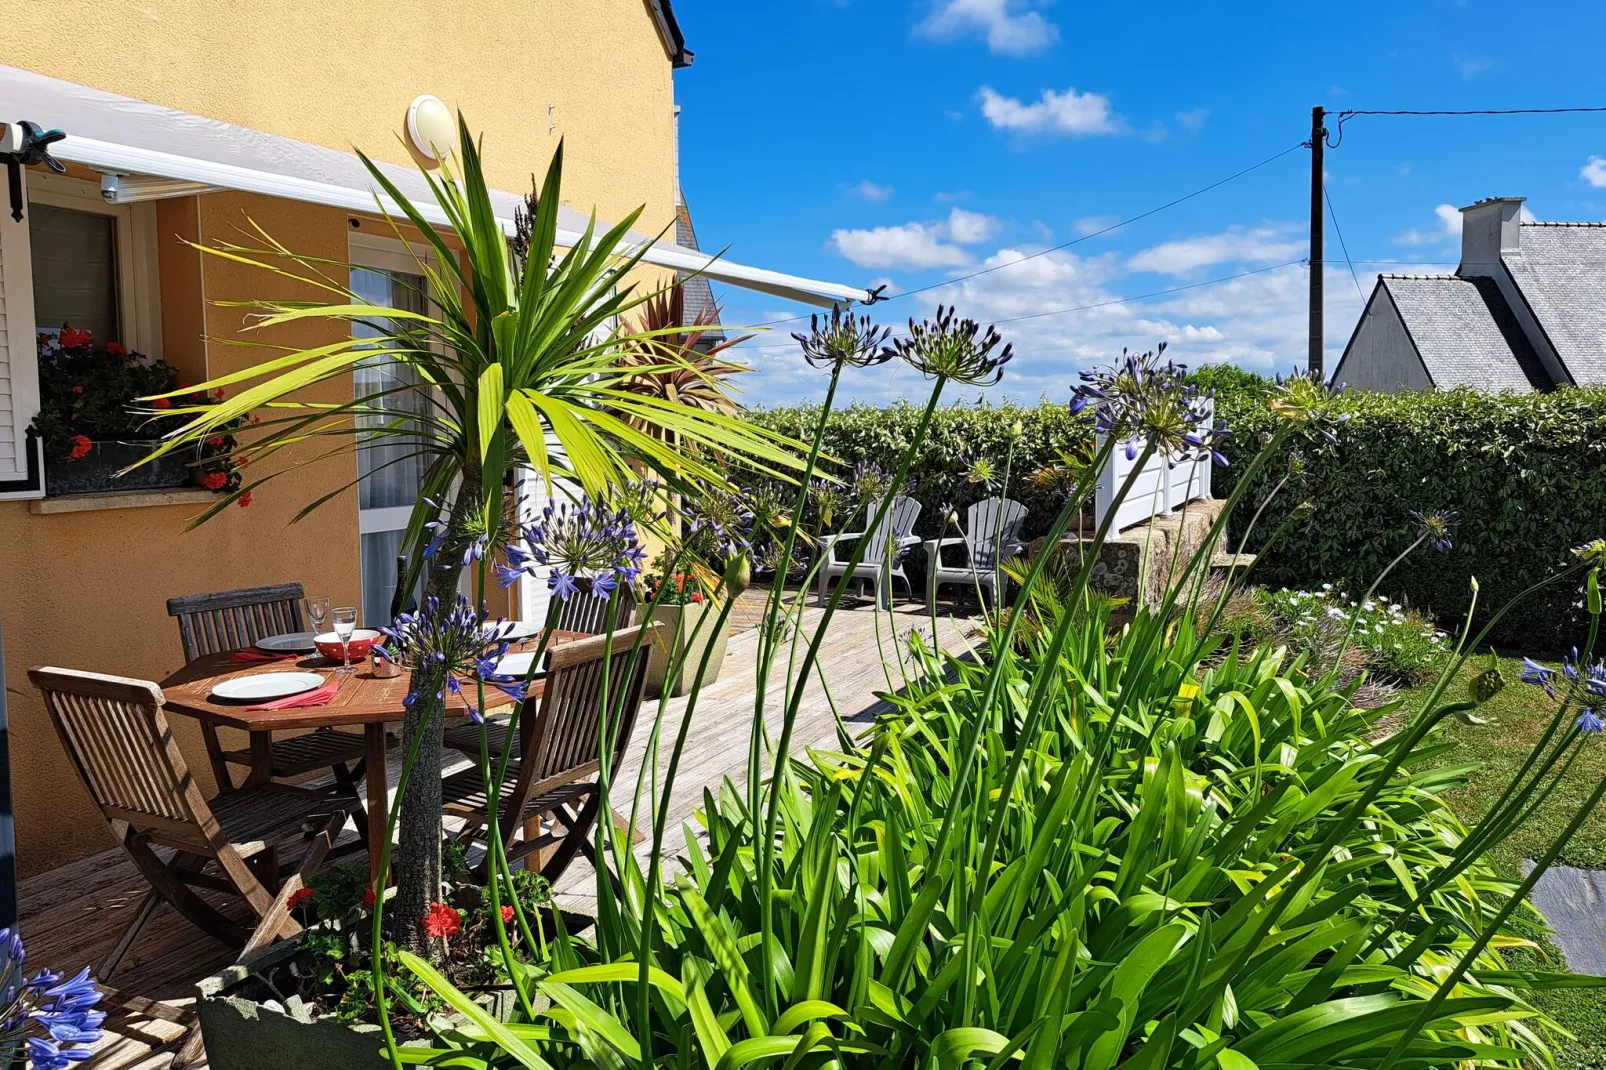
96	471
679	637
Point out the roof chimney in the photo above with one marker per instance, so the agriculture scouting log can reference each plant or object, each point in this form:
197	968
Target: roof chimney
1490	228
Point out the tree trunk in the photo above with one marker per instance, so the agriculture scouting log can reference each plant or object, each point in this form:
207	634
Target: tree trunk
418	848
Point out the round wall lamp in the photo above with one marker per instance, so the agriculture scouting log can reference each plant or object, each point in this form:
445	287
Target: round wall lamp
431	131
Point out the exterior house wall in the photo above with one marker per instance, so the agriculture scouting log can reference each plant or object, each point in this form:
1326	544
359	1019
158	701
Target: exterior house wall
88	589
1381	355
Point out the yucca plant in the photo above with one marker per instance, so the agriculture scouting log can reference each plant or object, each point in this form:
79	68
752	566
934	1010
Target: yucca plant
515	367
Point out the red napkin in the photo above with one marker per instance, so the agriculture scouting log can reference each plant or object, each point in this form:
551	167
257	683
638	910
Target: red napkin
320	697
252	654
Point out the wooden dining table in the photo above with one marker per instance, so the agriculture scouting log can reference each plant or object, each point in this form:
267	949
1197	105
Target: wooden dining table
364	699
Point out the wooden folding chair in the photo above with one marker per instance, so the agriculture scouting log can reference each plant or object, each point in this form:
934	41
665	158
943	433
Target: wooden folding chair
233	620
556	780
118	738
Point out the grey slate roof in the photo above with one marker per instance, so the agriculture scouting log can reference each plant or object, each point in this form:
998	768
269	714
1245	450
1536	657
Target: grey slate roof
699	295
1465	333
1561	272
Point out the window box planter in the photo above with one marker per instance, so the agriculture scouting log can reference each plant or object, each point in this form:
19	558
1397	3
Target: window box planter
678	636
96	471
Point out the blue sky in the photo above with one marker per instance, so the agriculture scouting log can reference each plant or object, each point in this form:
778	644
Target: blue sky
910	142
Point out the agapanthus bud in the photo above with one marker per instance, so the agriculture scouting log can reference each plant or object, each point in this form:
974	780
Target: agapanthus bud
1486	685
738	574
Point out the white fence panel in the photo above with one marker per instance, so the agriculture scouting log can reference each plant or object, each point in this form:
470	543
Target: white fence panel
1159	489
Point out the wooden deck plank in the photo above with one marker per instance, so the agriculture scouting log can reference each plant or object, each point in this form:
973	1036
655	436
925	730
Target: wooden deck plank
72	915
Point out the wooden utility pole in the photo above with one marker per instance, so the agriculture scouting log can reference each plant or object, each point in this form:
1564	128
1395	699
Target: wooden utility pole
1318	140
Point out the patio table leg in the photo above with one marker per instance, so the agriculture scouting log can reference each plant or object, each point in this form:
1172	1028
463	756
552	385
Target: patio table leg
261	757
378	794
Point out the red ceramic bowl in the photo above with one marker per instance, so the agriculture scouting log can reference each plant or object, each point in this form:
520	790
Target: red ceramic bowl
362	641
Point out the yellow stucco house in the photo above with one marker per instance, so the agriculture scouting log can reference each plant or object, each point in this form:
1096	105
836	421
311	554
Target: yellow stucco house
184	119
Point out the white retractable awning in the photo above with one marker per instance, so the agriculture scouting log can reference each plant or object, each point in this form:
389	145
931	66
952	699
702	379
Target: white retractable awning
153	151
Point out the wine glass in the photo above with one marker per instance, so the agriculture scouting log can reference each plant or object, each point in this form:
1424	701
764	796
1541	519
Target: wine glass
317	612
345	622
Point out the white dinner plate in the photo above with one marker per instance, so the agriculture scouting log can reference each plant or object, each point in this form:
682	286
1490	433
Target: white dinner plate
514	665
290	643
267	685
511	631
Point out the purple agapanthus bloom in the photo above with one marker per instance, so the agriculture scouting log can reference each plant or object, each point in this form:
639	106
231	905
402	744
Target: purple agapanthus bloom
449	648
1436	527
1141	400
55	1020
576	541
1590	723
1538	675
956	349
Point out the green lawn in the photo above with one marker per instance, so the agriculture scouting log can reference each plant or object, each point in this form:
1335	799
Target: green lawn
1517	717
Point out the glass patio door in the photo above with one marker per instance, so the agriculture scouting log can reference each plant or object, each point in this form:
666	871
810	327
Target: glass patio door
391	473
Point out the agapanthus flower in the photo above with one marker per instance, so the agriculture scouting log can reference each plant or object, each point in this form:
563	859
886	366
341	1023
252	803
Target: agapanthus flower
448	647
1302	398
844	340
578	541
1590	723
1436	527
1538	675
52	1018
957	349
870	481
1593	552
1141	400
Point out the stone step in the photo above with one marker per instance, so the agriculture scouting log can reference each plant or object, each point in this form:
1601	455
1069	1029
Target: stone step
1235	562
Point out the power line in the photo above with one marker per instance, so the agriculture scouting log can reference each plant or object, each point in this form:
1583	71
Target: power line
1328	197
1346	116
1075	241
1105	304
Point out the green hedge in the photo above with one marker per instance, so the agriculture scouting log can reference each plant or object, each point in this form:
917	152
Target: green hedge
1525	473
958	434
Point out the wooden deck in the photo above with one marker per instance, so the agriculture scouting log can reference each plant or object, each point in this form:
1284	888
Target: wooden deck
71	916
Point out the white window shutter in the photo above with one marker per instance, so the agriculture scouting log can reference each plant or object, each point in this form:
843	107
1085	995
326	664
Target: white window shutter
21	460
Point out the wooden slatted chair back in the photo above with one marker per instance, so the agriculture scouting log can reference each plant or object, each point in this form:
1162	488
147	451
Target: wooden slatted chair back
233	620
565	746
117	736
583	613
992	522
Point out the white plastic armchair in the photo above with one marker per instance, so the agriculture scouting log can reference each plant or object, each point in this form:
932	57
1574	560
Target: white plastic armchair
874	568
992	532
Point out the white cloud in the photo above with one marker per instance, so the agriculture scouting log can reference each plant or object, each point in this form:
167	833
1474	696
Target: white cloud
1470	67
1070	112
968	228
1008	27
1258	245
866	190
909	247
1092	224
1193	119
917	246
1594	172
1449	229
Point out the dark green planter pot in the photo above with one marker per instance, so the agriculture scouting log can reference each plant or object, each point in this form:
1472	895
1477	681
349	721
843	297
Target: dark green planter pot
245	1027
96	471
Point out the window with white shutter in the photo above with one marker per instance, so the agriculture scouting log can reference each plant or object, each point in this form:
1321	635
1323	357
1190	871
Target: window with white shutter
21	470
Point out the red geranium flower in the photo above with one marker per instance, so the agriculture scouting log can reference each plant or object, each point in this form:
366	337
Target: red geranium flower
507	915
115	349
245	499
301	897
77	390
368	898
214	480
697	596
218	394
72	338
442	922
81	446
215	440
161	403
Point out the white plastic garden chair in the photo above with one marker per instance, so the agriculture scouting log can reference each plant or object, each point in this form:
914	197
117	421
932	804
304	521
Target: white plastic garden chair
900	522
992	532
